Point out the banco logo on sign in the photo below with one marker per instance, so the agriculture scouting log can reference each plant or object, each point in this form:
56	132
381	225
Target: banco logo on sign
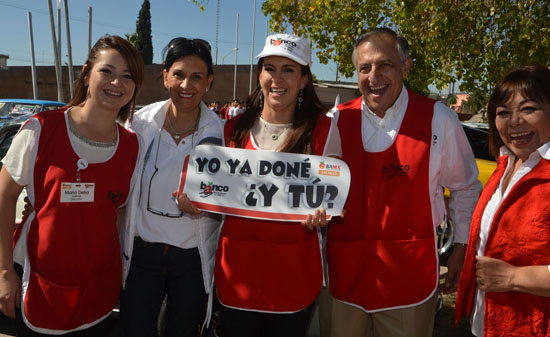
209	188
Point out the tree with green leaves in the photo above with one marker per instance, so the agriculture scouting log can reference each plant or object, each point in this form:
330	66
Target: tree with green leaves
451	100
144	42
132	38
474	42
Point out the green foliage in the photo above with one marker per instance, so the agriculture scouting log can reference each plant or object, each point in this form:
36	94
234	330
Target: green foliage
314	78
200	3
473	41
451	100
476	103
144	42
132	38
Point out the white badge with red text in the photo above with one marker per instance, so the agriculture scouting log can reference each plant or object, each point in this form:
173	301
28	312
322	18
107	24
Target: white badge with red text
77	192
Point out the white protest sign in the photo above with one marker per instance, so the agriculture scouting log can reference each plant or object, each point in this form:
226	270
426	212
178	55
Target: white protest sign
264	184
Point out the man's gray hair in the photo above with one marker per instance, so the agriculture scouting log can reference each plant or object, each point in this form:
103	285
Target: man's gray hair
401	43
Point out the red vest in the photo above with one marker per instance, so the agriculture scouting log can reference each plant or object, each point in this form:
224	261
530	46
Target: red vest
73	248
519	235
271	266
223	113
382	254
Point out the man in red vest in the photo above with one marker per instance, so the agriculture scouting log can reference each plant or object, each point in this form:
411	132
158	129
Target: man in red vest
402	149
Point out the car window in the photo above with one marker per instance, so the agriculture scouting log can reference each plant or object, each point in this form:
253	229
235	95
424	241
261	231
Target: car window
479	141
19	109
5	108
6	136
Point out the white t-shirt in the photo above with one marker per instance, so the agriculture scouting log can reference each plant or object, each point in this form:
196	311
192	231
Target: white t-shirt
231	112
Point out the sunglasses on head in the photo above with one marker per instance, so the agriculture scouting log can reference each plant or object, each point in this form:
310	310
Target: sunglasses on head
195	42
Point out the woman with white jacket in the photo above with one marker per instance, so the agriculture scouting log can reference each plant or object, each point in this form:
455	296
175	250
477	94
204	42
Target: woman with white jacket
164	251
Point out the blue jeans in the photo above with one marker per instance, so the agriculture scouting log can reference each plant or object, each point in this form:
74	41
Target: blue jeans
157	270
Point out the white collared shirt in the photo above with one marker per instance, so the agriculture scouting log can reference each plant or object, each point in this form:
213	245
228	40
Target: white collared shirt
488	214
452	163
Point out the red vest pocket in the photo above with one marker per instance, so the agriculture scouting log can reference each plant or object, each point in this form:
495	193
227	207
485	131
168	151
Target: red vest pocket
266	276
58	307
385	273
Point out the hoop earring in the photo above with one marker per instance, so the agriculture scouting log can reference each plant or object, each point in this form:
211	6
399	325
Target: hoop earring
300	99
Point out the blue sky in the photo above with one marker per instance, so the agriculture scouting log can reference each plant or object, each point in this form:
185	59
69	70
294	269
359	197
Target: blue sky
169	18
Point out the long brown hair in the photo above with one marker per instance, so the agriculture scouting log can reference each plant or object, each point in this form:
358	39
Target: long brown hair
532	82
135	65
304	119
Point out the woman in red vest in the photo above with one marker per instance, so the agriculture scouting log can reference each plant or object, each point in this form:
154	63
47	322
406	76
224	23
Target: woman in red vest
268	273
64	271
505	281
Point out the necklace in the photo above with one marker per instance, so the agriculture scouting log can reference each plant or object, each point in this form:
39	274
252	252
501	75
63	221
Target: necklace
177	135
274	135
92	142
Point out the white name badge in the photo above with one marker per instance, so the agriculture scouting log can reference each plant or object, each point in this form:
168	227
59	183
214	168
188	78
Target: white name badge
77	192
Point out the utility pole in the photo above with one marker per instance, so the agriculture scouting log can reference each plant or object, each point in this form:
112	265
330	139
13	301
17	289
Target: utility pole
217	29
89	29
236	51
69	49
252	52
33	63
56	55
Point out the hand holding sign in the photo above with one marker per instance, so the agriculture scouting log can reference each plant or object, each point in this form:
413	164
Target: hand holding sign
185	204
264	184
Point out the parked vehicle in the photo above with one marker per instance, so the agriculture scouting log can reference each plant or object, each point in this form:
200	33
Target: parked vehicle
26	106
13	113
14	108
478	137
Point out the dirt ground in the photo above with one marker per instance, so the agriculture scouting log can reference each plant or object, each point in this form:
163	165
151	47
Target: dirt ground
444	320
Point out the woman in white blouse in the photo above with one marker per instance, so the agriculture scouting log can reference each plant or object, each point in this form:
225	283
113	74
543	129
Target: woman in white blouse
165	252
505	282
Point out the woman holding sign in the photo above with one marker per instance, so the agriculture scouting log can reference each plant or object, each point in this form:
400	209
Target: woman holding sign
77	164
166	252
268	273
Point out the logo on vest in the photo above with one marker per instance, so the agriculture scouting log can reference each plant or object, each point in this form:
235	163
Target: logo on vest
209	188
115	197
393	170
